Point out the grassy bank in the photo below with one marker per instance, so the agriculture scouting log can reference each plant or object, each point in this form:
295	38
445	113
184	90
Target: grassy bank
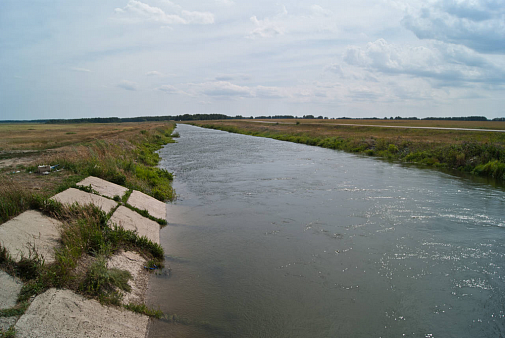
480	153
129	159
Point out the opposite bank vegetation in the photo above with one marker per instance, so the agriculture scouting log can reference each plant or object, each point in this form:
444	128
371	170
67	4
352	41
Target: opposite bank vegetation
479	153
87	240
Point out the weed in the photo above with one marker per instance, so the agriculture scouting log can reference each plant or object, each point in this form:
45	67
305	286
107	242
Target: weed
104	283
10	333
18	310
146	214
143	309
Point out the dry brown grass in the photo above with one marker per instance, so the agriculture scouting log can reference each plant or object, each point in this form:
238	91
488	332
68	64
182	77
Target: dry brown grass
499	125
28	145
332	128
22	137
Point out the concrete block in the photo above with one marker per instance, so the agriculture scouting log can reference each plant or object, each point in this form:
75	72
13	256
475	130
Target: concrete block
142	201
130	220
71	196
9	290
29	230
62	313
103	187
134	264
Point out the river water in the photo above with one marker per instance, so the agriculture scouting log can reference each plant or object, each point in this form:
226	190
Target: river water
277	239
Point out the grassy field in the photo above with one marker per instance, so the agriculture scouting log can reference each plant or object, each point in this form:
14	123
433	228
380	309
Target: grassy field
121	153
498	125
479	152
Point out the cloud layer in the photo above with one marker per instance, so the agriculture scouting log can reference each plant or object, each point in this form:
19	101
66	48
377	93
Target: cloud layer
359	58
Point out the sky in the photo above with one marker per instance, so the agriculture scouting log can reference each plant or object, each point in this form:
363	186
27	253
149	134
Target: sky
361	58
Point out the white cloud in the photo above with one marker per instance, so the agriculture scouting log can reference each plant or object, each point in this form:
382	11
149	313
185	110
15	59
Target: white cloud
447	64
128	85
154	73
477	24
137	11
77	69
224	89
271	92
267	27
225	2
169	89
320	11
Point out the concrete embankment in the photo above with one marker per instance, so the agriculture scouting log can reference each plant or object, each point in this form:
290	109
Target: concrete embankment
62	313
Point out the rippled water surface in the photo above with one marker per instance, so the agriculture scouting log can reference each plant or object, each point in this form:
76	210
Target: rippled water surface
276	239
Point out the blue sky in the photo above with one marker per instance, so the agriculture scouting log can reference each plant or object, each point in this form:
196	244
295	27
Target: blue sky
361	58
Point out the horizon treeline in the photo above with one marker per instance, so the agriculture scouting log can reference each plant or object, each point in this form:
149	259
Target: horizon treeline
203	117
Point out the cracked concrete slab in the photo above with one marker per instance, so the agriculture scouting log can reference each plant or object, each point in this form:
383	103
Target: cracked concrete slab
103	187
134	264
30	230
72	195
62	313
142	201
130	220
9	290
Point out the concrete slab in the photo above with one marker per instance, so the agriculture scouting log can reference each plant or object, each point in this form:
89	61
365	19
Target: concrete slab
62	313
28	230
9	290
142	201
71	196
103	187
130	220
133	263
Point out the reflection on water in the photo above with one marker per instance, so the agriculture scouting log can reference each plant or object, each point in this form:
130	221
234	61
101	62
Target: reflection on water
275	239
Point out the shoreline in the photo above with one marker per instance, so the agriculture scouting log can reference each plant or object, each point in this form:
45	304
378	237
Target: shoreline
97	252
55	301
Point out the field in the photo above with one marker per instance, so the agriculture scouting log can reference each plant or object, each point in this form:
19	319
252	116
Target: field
478	152
122	153
499	125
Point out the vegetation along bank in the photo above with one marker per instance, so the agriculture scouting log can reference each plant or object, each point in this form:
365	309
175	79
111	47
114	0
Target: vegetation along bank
124	154
478	152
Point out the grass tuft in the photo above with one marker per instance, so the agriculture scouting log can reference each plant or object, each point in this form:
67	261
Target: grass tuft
103	283
143	309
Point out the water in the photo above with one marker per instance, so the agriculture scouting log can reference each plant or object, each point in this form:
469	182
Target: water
276	239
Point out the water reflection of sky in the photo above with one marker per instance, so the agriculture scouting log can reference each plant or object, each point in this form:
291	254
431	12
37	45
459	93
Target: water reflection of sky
297	241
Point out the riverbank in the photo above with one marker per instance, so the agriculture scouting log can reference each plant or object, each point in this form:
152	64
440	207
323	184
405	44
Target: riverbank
478	152
100	254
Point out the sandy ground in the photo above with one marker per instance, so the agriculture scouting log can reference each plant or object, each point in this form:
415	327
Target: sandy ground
30	230
103	187
62	313
71	196
133	263
142	201
130	220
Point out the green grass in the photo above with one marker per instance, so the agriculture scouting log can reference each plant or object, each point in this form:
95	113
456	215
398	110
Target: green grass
143	309
145	213
86	231
103	283
127	163
10	333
